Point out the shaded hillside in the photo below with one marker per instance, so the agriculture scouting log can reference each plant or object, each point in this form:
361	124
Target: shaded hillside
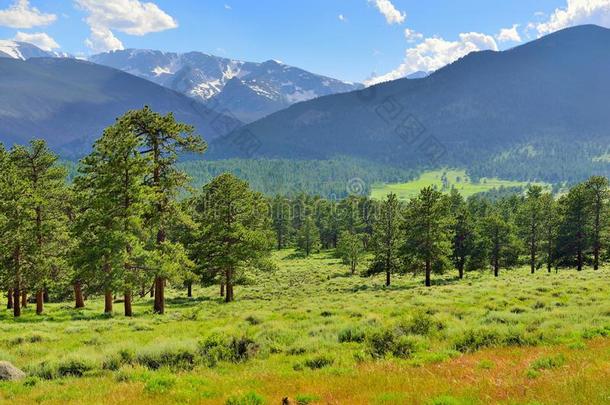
69	103
554	89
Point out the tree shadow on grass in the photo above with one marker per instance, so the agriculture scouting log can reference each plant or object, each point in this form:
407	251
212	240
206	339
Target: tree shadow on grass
69	315
296	256
446	281
186	302
378	287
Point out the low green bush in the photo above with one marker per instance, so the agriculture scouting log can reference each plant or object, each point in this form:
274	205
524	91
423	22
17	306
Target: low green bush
216	348
242	349
476	339
379	343
74	367
69	367
390	341
404	347
177	357
548	363
318	362
114	361
421	323
352	334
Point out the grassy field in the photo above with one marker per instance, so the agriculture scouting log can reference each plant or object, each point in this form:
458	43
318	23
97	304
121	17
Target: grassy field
314	334
454	179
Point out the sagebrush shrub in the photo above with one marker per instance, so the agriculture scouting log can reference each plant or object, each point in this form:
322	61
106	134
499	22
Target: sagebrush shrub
70	367
476	339
351	334
548	363
216	348
318	362
380	342
422	324
173	357
390	341
404	347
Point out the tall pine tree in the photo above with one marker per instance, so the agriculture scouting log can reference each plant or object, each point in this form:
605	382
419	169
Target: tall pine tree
233	232
387	238
427	229
163	140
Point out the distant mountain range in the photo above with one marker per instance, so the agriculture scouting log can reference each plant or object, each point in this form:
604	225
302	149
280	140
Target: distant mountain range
538	111
552	91
69	102
248	90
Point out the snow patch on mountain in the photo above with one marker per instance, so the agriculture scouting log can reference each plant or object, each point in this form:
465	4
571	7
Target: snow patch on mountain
158	71
301	95
11	49
23	50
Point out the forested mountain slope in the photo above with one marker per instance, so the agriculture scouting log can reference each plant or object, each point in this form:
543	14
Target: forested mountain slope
536	102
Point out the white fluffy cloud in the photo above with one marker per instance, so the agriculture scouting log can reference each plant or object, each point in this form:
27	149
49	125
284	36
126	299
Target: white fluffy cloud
342	18
40	39
509	34
21	15
434	53
413	36
391	14
577	12
103	40
132	17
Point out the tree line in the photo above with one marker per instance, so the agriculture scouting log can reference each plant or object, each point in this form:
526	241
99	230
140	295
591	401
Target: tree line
121	230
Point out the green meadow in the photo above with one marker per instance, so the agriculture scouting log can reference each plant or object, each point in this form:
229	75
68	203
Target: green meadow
443	180
312	333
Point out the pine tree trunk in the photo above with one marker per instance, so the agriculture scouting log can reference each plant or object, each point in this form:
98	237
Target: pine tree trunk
159	307
387	278
222	289
159	296
45	296
229	282
16	306
496	266
24	299
428	272
78	296
108	302
461	270
128	309
9	299
39	302
189	289
596	242
579	259
17	287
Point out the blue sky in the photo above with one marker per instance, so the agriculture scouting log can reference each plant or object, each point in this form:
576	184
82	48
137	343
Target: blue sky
347	39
